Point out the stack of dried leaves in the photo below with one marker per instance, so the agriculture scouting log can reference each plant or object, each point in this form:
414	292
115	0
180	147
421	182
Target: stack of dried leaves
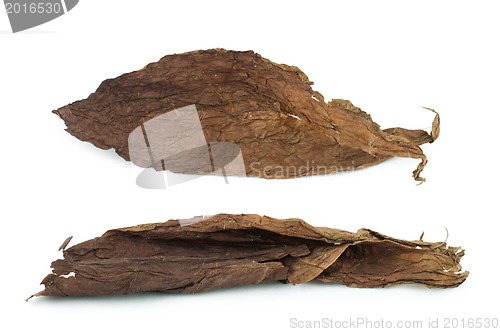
202	254
269	110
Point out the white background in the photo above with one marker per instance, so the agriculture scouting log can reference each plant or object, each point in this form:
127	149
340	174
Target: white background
387	57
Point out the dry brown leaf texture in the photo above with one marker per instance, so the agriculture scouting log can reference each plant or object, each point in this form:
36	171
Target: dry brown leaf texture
266	113
227	250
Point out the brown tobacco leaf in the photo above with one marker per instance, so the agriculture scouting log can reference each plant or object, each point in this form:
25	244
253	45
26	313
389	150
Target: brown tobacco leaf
281	126
202	254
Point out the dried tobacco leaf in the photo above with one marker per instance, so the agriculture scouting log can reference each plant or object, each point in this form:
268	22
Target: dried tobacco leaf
202	254
266	113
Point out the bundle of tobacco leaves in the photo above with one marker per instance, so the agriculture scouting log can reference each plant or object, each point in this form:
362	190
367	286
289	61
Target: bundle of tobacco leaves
170	115
222	251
